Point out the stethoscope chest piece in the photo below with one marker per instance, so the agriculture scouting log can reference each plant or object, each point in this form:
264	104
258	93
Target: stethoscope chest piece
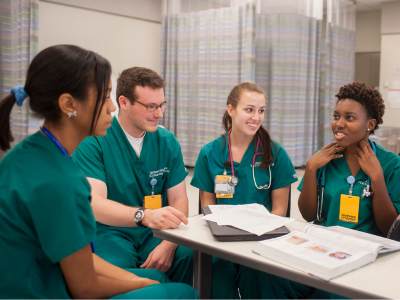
234	181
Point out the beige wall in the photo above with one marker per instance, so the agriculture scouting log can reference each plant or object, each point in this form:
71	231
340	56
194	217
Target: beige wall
390	59
124	40
391	17
368	31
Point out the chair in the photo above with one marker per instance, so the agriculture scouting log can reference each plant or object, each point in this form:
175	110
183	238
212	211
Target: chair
289	202
394	231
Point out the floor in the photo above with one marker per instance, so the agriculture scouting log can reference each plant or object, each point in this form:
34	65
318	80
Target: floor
193	194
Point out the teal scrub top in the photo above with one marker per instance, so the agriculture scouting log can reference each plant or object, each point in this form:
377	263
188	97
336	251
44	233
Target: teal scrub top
45	215
336	184
212	161
112	159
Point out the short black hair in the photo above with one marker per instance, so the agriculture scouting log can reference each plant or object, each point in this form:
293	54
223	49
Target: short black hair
368	97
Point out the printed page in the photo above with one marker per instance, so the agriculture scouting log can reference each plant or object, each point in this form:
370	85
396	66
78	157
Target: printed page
351	243
322	258
330	254
386	245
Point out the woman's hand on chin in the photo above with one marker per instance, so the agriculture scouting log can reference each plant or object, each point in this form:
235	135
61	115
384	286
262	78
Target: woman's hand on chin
324	156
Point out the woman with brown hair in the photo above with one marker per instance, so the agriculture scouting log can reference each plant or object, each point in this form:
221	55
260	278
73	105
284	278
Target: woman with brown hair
240	167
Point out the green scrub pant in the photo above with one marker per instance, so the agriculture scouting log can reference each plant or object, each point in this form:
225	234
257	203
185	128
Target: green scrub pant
230	279
131	250
158	291
161	291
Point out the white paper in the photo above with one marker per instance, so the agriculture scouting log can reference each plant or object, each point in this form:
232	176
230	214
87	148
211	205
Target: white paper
254	218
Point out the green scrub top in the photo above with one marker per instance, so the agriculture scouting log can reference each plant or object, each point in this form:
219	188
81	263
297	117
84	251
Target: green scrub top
336	184
45	215
213	159
112	160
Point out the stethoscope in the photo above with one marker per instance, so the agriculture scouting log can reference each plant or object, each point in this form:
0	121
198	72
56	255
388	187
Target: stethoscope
235	180
350	180
63	151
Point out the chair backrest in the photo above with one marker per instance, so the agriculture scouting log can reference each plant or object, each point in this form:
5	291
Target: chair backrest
289	202
394	231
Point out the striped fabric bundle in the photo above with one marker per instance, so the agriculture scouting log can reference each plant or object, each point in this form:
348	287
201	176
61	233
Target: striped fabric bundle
18	45
205	54
298	60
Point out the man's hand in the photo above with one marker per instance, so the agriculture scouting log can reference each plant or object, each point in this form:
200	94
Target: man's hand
163	218
161	257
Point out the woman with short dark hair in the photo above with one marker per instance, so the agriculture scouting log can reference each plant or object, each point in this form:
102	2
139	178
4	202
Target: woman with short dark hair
353	182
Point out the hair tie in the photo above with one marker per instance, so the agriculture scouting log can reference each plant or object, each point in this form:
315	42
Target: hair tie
19	94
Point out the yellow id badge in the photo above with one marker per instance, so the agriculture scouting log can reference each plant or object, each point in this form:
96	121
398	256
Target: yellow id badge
223	188
349	207
152	201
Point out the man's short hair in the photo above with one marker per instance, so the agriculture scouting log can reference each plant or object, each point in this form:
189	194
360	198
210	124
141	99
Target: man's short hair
137	76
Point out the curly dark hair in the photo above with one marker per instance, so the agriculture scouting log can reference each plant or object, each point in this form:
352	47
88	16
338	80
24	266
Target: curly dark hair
368	97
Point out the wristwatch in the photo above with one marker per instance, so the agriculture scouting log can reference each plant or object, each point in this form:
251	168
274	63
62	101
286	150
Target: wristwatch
139	215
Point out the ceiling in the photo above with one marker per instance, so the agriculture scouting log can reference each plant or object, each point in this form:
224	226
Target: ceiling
367	5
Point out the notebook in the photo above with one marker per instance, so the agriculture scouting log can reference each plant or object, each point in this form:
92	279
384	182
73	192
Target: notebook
232	234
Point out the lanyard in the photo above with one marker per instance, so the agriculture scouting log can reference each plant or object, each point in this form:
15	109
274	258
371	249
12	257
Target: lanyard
54	140
64	152
253	161
230	154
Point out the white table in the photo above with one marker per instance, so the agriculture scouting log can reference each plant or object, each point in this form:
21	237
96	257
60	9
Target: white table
377	280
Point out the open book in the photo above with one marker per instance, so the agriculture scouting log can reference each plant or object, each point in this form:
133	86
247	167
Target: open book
325	252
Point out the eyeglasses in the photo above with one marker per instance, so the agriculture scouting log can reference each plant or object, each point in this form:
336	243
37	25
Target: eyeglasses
152	107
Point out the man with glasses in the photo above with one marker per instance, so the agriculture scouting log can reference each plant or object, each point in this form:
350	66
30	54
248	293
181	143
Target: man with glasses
137	177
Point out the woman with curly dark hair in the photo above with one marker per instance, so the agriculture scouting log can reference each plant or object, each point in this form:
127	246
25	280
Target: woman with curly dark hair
353	182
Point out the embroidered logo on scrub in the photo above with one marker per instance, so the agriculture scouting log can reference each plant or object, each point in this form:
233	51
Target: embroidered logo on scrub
159	172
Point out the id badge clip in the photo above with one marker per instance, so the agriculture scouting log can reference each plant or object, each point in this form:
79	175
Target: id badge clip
153	201
224	189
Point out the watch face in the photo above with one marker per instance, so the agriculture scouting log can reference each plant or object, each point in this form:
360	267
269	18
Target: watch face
139	215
